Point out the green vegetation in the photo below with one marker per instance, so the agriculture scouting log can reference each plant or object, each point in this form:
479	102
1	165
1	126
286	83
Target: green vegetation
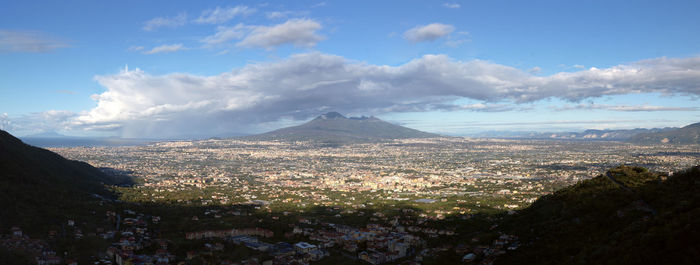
39	188
627	216
596	221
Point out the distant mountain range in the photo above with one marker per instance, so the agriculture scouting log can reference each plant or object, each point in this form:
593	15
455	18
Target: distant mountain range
687	135
335	128
587	135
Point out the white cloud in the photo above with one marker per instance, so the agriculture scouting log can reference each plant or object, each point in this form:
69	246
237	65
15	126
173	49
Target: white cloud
139	104
46	121
451	5
165	22
568	124
166	48
535	70
221	15
226	34
284	14
5	123
428	32
480	107
277	14
626	108
135	48
28	41
299	32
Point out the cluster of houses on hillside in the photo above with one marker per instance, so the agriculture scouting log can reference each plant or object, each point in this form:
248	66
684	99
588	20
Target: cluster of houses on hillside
133	235
36	248
281	252
375	244
487	254
229	233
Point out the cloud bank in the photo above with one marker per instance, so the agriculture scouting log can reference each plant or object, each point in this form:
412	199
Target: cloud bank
47	121
136	103
298	32
626	108
28	41
166	48
167	22
5	123
428	32
221	15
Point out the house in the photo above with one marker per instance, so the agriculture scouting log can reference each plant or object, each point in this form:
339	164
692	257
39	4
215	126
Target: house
16	231
469	257
317	254
48	260
259	246
303	247
372	257
350	247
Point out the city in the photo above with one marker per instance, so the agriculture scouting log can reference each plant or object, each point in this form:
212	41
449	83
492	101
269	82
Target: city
376	202
326	132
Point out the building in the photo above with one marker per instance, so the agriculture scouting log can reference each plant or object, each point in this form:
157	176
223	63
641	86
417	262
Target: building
303	247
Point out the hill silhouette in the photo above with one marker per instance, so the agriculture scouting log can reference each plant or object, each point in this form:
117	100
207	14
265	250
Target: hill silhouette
38	186
627	216
687	135
333	127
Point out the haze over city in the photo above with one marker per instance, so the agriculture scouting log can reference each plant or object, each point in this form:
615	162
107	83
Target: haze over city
349	132
162	69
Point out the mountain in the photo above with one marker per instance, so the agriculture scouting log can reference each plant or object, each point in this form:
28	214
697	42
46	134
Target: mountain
39	186
626	216
335	128
687	135
587	135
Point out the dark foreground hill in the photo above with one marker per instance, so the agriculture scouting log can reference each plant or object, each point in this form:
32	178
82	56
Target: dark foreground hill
628	216
333	127
38	186
687	135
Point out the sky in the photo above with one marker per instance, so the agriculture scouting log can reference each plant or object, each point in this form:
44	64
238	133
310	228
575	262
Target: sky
169	69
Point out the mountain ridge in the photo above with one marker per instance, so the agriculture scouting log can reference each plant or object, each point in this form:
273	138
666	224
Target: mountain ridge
37	185
333	127
586	135
689	134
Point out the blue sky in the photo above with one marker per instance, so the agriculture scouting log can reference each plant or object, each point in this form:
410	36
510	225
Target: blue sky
204	68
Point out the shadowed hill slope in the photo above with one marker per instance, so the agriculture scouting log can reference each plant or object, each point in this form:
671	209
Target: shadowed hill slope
628	216
37	185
